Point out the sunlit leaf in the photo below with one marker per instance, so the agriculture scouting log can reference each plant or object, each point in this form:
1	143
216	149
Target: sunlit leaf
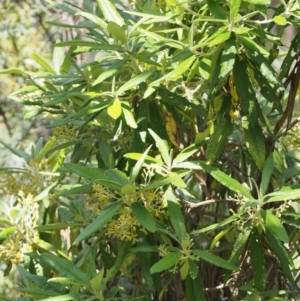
273	225
135	81
43	63
115	109
99	222
109	11
215	260
267	174
166	262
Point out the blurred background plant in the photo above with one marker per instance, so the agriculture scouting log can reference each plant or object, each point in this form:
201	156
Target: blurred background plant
24	30
167	163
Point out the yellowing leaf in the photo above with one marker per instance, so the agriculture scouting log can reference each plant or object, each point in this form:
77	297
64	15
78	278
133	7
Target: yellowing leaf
115	109
171	128
280	20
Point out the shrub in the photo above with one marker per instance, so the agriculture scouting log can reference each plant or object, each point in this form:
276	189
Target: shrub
171	173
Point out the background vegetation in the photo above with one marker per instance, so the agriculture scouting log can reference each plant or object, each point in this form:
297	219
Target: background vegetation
171	171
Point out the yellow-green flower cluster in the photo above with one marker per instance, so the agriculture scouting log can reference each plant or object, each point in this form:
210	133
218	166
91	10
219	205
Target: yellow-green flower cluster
125	226
25	236
153	201
292	139
65	132
283	207
100	198
30	181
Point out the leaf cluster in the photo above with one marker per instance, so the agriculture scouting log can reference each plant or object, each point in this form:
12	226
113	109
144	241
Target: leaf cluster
169	173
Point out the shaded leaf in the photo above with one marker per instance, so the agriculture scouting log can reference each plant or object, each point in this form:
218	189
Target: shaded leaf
282	255
143	216
177	220
117	32
255	142
226	180
65	268
257	259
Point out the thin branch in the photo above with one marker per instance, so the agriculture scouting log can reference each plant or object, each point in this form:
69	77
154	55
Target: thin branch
292	124
216	288
207	202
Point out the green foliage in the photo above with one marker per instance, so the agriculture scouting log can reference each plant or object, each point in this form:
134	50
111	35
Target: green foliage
168	174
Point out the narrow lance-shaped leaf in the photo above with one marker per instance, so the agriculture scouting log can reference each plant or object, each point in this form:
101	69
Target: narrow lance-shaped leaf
282	255
198	288
185	154
163	182
238	248
99	222
129	118
58	58
43	63
86	171
109	11
273	224
143	216
93	18
17	152
267	174
225	222
222	37
66	297
162	146
177	219
256	143
122	253
65	268
216	10
226	180
218	139
117	32
111	71
166	262
138	166
182	68
135	81
234	10
257	259
215	260
227	58
282	196
4	234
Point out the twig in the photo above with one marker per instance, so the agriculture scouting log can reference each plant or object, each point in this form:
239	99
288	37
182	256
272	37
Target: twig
207	202
216	288
293	123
